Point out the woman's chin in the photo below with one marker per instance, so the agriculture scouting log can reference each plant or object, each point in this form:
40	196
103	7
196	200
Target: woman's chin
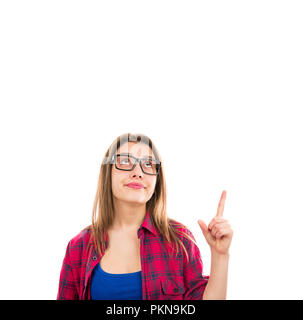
134	200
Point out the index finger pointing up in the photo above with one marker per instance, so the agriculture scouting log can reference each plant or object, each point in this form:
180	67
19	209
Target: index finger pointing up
221	204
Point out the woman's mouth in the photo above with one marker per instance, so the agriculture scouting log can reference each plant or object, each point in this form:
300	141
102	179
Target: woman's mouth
134	185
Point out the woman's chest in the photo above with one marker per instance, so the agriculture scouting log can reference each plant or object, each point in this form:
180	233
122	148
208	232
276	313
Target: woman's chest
122	255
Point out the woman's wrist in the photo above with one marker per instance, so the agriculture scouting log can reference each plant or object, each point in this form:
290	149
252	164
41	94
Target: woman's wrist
220	256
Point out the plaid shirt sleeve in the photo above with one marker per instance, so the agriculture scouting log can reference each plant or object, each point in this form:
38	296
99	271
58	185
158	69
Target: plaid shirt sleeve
67	284
194	281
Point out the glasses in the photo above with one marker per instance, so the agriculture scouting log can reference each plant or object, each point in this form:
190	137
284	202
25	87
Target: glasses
127	162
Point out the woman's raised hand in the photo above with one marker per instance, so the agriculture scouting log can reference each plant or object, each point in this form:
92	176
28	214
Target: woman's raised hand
218	234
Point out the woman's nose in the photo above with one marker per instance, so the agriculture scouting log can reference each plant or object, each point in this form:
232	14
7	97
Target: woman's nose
137	170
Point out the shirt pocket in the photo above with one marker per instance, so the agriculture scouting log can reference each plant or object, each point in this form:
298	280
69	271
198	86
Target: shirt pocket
172	288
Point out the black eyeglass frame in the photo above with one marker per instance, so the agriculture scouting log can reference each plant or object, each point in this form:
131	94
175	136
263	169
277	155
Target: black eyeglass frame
158	163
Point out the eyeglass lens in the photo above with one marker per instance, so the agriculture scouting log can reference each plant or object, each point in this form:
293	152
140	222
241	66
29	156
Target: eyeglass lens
127	163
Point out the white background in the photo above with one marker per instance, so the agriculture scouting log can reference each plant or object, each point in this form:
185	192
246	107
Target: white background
217	86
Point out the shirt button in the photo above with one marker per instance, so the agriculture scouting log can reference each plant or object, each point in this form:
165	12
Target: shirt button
94	258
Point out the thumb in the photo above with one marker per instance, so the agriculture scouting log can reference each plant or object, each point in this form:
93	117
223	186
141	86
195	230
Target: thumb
203	227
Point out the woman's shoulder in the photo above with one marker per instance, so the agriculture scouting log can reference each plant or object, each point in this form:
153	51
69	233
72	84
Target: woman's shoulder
81	238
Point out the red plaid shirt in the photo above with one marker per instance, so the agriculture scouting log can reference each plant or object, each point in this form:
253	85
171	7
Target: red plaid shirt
164	276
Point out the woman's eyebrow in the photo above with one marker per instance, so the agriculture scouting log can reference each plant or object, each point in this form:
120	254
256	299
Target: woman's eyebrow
149	157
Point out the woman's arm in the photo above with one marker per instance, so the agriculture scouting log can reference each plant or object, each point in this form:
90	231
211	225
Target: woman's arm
218	235
217	284
68	289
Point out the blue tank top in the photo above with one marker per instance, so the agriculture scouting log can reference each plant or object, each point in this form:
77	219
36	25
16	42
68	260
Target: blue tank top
110	286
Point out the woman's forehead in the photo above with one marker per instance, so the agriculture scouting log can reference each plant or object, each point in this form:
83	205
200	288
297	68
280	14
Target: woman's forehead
136	149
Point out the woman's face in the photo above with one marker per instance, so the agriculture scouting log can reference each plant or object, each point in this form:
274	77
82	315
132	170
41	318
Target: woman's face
121	178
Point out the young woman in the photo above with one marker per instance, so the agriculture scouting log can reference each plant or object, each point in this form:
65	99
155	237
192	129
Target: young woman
133	250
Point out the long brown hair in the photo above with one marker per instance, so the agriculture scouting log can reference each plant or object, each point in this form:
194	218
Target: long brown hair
103	208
